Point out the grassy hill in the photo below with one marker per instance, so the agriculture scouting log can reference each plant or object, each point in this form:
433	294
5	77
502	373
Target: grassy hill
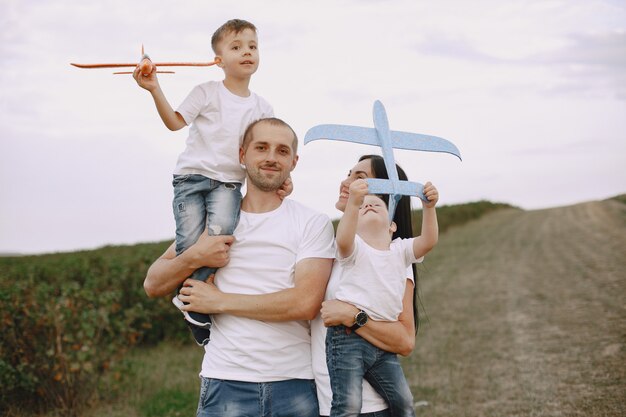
526	315
523	315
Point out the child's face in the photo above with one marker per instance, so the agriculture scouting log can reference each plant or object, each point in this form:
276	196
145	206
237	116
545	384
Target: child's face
238	54
373	212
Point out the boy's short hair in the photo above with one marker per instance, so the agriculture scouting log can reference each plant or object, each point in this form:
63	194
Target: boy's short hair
274	121
233	25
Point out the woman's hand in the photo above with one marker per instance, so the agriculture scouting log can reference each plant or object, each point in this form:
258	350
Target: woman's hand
335	312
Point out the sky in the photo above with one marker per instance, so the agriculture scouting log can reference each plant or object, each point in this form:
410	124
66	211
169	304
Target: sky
533	93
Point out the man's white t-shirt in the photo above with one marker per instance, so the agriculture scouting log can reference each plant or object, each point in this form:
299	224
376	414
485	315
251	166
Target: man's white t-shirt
263	257
217	120
372	402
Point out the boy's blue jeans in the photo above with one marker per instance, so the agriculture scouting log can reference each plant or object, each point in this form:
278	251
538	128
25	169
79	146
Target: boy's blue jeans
199	203
350	359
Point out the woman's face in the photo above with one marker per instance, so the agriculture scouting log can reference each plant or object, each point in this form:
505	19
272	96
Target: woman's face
363	169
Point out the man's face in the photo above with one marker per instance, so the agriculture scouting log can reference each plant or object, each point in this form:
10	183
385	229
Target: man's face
269	156
238	53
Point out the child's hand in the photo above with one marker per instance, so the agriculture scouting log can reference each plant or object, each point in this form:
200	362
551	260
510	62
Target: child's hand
431	193
358	190
286	189
149	82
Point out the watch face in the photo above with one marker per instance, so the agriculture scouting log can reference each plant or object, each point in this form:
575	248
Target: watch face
361	318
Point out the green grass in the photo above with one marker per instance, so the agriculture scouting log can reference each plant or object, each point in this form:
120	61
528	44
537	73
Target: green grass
160	381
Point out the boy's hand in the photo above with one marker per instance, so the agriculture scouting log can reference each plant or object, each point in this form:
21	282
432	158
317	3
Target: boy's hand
358	190
286	189
149	82
431	193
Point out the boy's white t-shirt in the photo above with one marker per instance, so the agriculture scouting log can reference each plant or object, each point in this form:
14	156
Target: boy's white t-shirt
217	120
372	402
374	280
263	257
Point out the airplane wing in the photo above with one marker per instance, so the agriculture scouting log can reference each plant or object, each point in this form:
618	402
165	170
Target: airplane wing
104	65
368	136
134	64
381	186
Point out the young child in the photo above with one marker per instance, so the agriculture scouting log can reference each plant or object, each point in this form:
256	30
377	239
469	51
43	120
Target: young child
373	280
208	176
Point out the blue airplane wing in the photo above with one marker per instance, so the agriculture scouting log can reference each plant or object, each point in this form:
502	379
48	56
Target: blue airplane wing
380	186
369	136
346	133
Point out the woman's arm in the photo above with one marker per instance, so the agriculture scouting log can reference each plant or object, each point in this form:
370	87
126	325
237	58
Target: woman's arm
392	336
169	271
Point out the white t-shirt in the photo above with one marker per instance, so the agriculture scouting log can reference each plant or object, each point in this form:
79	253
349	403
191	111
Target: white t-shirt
263	257
374	280
217	120
372	402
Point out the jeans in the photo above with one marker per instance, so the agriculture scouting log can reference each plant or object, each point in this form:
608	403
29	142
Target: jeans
350	358
381	413
290	398
201	202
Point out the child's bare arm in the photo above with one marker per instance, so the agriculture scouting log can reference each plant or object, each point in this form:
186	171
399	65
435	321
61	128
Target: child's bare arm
430	229
172	120
346	230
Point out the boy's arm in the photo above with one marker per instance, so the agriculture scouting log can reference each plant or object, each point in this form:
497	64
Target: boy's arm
430	229
302	302
172	120
346	229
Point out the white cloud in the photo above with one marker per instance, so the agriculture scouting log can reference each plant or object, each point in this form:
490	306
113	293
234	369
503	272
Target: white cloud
531	91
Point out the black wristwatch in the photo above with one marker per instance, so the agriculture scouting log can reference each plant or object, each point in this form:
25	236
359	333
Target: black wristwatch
359	320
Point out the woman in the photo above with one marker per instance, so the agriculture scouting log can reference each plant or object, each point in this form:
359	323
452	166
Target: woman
397	337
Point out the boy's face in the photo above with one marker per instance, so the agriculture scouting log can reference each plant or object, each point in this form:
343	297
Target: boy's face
238	54
373	212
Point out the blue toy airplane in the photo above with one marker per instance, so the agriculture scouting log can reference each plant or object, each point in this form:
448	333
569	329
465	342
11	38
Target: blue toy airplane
387	140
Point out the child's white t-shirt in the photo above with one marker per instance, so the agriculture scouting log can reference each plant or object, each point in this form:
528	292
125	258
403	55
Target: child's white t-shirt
217	120
374	280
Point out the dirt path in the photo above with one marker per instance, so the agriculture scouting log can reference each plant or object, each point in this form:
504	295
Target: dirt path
526	316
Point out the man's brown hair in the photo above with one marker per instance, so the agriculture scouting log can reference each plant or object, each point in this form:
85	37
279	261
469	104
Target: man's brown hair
274	121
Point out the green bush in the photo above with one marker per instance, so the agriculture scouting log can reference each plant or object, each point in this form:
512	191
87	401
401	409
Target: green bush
458	214
67	317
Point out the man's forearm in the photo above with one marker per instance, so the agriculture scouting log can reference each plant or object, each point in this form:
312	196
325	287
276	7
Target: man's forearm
286	305
301	302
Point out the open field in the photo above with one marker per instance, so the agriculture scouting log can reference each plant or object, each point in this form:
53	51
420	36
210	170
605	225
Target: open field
525	315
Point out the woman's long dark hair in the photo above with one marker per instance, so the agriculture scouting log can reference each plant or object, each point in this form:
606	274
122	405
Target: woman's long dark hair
402	216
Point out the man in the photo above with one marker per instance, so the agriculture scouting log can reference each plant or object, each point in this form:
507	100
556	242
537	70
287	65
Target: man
270	283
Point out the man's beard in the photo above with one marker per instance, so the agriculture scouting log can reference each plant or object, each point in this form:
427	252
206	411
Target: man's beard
264	183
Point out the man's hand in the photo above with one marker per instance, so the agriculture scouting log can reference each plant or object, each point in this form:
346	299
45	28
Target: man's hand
202	297
211	251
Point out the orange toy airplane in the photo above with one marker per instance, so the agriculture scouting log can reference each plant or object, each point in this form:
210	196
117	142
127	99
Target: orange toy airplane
146	65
